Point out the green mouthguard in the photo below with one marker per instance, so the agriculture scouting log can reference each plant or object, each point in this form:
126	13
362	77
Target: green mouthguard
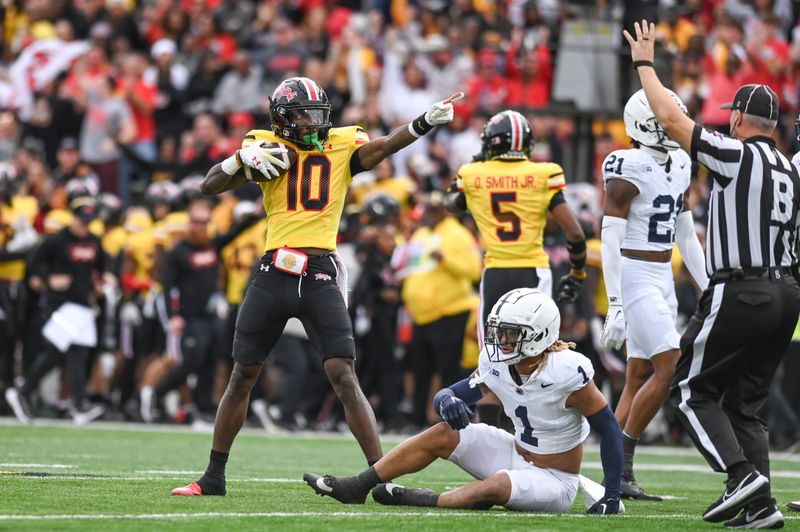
313	138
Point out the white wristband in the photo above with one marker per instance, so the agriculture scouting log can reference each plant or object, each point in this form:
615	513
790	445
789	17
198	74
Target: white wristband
230	165
411	130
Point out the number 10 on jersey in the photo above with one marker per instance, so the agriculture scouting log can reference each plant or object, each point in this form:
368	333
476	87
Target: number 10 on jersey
312	164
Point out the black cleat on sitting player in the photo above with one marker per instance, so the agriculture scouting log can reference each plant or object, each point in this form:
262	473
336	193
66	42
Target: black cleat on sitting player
392	494
347	490
630	489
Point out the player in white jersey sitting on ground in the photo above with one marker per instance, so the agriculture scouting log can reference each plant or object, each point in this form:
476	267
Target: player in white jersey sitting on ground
646	211
545	388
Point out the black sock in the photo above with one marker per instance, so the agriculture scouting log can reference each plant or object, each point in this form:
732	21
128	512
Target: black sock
368	478
213	480
420	497
740	470
628	448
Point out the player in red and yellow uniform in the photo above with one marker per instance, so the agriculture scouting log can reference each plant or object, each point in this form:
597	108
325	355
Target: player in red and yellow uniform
300	274
510	197
17	238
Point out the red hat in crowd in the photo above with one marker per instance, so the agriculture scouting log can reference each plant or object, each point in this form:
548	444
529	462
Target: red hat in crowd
241	119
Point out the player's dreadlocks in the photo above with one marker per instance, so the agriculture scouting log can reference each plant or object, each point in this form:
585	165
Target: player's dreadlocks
558	345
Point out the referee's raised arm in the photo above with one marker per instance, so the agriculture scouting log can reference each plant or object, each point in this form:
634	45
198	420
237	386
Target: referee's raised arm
678	125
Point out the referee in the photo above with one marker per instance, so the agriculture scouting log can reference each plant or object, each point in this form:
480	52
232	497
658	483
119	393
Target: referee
745	319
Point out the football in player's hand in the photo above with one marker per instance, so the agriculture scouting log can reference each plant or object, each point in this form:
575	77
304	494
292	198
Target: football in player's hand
274	152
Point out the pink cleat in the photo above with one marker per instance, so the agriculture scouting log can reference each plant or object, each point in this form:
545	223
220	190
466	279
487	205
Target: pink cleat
188	491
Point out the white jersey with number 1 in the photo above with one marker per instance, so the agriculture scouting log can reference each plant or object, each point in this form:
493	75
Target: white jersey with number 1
542	422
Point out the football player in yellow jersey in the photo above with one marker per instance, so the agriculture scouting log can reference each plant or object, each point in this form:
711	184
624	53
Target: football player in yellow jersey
300	274
509	197
17	238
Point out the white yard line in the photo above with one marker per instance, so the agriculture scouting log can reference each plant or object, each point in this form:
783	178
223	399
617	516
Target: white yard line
346	515
54	466
689	468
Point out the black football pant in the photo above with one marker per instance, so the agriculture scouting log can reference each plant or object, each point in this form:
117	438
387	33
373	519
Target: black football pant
436	348
197	352
729	353
11	308
75	360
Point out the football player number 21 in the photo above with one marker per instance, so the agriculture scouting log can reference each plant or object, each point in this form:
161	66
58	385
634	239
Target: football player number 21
312	164
511	228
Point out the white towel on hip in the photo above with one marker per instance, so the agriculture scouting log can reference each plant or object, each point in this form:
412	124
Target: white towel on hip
71	324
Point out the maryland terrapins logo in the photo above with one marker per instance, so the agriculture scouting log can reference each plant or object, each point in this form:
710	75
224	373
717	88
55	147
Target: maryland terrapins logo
289	262
286	92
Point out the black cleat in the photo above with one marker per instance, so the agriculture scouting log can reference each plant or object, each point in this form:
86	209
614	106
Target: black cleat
343	489
392	494
630	489
794	505
760	514
737	494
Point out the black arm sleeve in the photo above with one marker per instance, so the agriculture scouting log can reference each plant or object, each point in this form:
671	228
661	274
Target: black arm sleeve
221	241
355	164
39	263
556	200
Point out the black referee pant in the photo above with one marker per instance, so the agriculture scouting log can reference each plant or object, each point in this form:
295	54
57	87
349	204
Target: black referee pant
729	353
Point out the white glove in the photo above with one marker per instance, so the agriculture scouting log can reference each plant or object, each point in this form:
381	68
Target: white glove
614	328
25	237
440	113
263	160
218	305
129	314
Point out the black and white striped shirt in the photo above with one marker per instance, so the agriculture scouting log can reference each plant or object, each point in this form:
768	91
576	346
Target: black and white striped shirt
755	202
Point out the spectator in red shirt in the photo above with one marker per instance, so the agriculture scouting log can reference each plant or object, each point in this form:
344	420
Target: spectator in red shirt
770	53
210	35
722	84
530	87
141	98
488	89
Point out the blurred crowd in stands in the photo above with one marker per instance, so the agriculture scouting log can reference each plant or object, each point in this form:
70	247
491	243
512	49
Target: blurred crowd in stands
133	101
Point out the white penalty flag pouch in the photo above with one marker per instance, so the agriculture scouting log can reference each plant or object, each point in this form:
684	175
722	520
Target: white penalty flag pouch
290	261
71	324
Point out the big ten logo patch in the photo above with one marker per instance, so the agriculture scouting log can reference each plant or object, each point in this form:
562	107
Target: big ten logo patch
203	259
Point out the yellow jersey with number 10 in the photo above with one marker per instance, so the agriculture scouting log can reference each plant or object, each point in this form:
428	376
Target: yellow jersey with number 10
304	206
509	201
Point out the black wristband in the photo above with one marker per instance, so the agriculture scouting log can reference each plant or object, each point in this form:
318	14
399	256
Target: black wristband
576	248
637	64
577	254
420	125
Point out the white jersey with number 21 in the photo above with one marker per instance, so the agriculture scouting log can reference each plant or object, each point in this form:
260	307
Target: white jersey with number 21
652	215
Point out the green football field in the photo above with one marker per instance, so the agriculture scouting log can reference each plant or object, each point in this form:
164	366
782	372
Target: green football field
119	477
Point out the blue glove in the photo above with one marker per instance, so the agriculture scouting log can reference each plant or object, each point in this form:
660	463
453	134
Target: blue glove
455	412
605	506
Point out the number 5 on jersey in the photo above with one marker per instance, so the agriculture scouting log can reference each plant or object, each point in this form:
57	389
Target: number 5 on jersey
506	233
